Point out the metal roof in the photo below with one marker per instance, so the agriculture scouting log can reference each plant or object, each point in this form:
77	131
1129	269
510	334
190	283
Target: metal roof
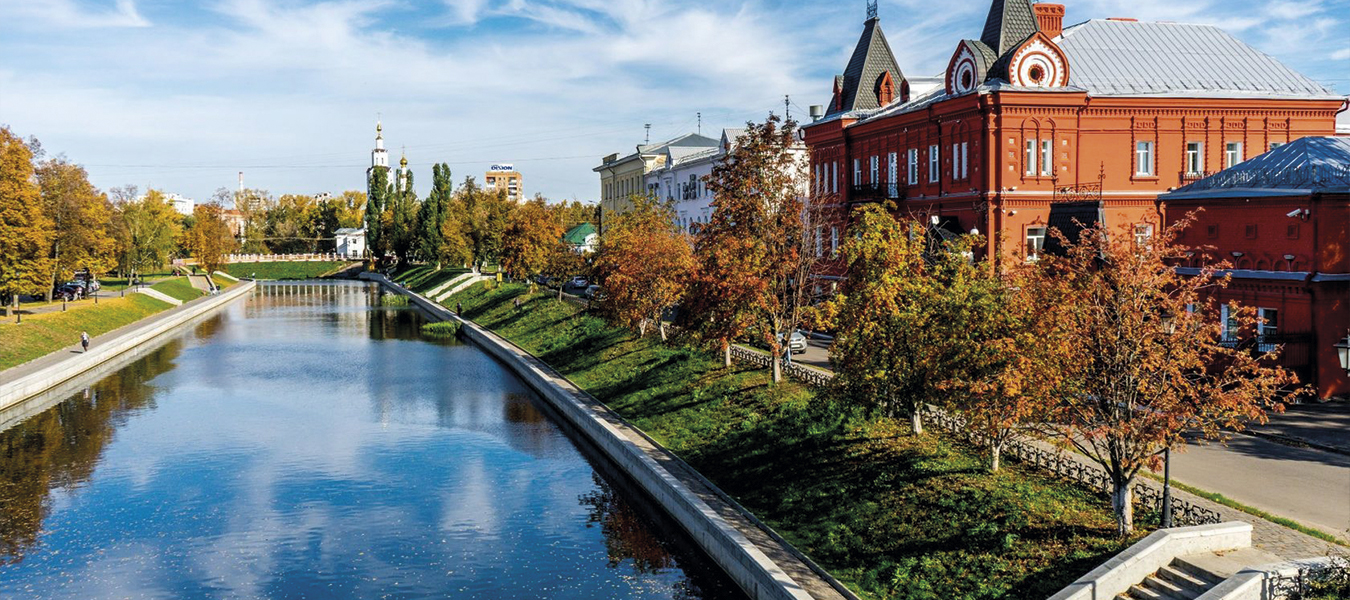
1009	23
871	57
1304	165
577	235
1131	58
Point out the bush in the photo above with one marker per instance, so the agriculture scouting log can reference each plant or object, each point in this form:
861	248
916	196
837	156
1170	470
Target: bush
393	300
444	329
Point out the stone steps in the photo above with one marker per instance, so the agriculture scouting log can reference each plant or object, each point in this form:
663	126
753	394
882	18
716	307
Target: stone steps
1189	577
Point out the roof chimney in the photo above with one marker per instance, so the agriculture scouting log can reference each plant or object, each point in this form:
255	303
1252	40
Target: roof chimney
1050	18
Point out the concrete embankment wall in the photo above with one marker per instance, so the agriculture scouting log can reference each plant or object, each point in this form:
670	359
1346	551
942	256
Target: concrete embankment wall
36	382
746	563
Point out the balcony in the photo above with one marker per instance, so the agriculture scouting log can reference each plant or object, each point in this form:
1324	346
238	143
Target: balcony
1188	177
1079	192
876	192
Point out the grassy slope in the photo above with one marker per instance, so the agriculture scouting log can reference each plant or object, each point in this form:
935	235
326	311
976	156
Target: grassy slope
178	288
41	334
890	514
425	277
275	271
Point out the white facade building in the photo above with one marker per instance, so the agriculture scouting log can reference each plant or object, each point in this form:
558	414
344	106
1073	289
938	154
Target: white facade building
183	205
350	242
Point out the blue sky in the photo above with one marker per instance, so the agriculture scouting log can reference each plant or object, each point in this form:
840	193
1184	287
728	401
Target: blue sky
182	95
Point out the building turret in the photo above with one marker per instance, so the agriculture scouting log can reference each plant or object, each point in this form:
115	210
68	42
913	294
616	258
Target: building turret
379	157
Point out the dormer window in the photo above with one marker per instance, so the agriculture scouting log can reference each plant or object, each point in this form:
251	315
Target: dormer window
885	89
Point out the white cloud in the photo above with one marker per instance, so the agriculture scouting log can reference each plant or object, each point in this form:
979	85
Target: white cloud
1342	54
72	14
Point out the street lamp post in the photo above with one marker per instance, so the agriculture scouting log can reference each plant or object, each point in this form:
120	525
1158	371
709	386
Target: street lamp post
1167	488
1343	352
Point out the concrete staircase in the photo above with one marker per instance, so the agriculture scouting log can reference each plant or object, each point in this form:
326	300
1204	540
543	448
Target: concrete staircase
1189	577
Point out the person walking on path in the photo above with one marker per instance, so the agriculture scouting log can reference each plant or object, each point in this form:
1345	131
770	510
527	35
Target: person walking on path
84	340
459	309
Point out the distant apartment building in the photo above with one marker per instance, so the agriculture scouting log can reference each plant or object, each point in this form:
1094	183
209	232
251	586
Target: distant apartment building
505	178
623	177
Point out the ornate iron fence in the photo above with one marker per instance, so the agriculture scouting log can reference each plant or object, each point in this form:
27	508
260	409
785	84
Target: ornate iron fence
1299	582
1079	192
814	378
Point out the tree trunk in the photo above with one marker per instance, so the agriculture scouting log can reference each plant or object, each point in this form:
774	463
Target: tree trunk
916	420
642	328
662	325
995	450
560	293
1122	500
777	366
726	353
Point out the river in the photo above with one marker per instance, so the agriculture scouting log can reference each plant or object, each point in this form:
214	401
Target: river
306	442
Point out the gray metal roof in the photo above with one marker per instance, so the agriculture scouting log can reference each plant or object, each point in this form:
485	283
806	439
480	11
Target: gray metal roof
1304	165
1130	58
1008	24
871	57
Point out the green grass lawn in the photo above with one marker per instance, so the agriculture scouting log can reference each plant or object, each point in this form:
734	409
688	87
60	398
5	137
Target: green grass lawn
178	288
277	271
42	334
892	515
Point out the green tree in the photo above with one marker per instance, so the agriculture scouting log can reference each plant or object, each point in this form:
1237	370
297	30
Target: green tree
400	219
80	217
486	214
378	192
431	216
25	233
287	224
351	209
149	229
209	239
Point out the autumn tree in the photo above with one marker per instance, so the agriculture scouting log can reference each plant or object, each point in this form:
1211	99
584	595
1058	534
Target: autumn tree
25	233
889	349
485	216
287	224
1003	357
1145	366
209	239
643	261
80	218
533	236
255	206
432	214
148	229
351	209
756	252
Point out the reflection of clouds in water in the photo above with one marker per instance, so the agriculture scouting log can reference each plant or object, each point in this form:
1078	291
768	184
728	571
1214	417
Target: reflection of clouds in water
117	572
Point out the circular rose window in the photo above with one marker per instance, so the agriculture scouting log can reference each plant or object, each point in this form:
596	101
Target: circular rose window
1036	73
966	80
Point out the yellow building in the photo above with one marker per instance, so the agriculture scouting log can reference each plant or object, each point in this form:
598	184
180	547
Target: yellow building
505	178
623	178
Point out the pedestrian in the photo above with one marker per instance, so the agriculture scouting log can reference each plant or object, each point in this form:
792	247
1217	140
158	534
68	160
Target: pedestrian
517	302
459	309
84	340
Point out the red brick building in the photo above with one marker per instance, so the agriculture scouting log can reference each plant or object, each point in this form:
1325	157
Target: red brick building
1036	124
1282	220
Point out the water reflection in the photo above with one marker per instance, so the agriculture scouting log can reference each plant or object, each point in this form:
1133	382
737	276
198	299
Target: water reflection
307	443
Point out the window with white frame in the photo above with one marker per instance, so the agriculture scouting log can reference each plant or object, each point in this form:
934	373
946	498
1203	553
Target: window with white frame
1047	160
1232	154
834	177
1143	158
1195	158
1268	327
933	163
1035	243
1143	235
1029	157
820	241
891	175
965	160
913	156
857	171
1228	318
834	241
819	180
874	170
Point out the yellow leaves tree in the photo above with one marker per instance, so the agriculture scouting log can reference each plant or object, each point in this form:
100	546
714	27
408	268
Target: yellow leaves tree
532	238
25	233
1144	364
644	263
209	239
80	217
148	229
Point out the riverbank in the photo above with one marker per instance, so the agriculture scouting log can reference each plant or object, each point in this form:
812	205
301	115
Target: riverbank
64	361
890	514
288	270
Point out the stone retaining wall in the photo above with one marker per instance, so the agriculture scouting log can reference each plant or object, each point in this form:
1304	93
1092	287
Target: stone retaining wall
33	383
746	562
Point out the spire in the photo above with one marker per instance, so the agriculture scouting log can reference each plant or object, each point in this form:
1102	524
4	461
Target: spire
379	157
1009	22
858	88
872	10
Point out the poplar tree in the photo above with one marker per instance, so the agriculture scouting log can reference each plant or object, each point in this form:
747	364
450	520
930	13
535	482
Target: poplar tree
431	216
377	196
400	224
25	233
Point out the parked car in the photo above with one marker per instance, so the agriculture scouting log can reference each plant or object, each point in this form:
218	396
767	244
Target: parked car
68	292
578	282
797	342
592	292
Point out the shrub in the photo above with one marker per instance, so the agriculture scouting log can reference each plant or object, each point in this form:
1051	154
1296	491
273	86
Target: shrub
393	300
443	329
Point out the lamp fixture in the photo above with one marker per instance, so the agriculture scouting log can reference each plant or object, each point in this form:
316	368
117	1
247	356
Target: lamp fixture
1343	352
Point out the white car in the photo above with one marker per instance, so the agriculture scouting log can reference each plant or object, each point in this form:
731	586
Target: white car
577	282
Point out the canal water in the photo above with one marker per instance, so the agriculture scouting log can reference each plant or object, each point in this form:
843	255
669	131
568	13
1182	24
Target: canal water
308	443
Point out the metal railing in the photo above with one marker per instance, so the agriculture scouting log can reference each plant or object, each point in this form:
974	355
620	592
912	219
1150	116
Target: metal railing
1079	192
814	378
1298	583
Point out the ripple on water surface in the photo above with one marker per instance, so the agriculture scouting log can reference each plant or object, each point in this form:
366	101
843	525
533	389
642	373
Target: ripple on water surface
307	444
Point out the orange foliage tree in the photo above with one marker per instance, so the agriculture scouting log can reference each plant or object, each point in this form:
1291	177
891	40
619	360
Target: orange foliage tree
644	263
25	232
533	236
756	251
1146	365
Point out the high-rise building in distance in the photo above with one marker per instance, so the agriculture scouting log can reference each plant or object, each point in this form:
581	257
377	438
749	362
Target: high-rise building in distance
505	178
